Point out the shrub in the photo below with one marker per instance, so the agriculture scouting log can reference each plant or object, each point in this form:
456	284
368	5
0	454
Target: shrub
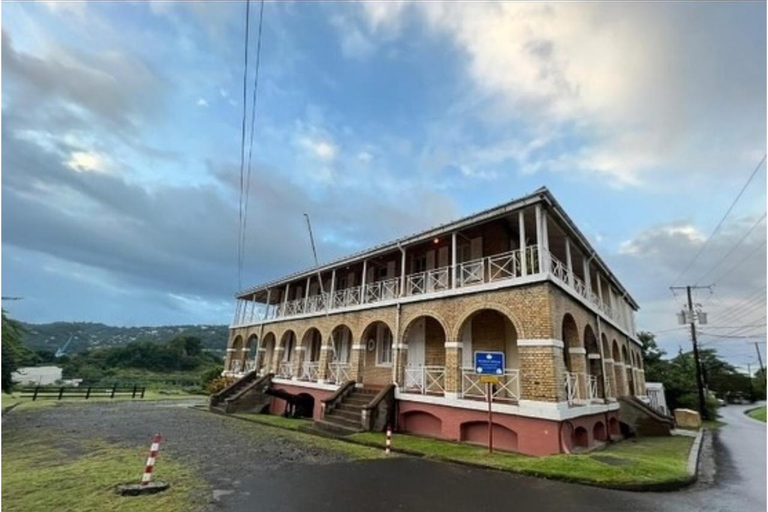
218	384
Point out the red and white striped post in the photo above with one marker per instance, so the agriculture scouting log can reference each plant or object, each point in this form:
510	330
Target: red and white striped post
147	477
389	440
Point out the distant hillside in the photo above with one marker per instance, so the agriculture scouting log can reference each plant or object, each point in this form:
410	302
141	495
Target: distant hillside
89	335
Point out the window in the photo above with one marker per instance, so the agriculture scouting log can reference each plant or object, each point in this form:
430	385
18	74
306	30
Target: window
463	253
381	273
419	264
383	346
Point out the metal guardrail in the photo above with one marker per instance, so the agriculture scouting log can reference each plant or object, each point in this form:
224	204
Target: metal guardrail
80	392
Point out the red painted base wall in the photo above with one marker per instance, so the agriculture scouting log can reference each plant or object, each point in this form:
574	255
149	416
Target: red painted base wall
278	404
530	436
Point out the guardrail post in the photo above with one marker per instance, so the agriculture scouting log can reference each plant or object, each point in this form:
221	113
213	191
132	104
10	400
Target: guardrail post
142	392
34	396
88	393
114	388
61	392
134	391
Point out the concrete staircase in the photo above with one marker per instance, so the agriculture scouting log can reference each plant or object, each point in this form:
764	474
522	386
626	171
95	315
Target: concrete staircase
640	419
346	417
244	395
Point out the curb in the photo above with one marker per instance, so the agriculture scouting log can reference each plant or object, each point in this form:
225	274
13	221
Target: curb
693	456
668	486
746	413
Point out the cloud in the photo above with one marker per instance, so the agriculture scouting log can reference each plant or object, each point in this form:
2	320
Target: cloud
639	86
354	44
201	102
84	161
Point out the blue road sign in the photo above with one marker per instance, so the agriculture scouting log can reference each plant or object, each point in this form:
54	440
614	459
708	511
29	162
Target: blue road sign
489	363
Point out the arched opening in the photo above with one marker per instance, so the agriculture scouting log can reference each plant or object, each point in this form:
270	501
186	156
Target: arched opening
490	330
236	357
269	353
379	354
422	423
580	438
628	369
617	369
341	344
288	343
570	339
312	343
425	367
250	352
598	431
476	432
613	425
594	364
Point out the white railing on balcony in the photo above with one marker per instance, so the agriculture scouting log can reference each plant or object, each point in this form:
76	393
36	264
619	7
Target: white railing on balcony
424	380
382	290
507	265
309	370
235	365
285	370
316	303
347	297
508	387
250	365
429	281
580	388
338	373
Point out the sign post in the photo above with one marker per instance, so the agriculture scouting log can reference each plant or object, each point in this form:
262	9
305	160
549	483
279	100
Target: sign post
490	367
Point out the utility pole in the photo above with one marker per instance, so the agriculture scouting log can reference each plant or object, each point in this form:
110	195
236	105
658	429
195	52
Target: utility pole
760	360
751	388
692	320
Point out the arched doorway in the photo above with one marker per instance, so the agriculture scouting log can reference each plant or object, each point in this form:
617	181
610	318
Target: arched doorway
425	368
575	388
629	369
250	353
379	354
594	365
236	356
341	345
269	353
288	343
617	370
488	329
311	343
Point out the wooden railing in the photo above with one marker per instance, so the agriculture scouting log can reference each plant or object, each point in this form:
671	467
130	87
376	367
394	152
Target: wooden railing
62	392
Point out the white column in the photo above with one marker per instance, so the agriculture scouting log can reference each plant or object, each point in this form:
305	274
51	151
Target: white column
523	246
453	260
237	312
402	272
266	309
333	289
587	278
545	239
285	299
599	289
539	237
568	260
306	294
363	283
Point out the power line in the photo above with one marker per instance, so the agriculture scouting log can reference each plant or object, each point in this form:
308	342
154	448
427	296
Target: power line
736	246
730	208
745	258
253	126
755	296
242	147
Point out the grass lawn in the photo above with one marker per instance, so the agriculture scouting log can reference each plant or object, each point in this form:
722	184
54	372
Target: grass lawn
634	462
638	461
27	403
758	414
47	473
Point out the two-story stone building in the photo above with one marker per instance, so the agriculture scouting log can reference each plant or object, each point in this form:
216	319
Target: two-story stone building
519	278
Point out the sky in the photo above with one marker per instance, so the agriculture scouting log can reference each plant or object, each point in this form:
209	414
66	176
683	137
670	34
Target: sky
121	146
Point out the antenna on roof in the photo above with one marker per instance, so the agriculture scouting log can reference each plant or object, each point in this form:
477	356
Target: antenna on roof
314	254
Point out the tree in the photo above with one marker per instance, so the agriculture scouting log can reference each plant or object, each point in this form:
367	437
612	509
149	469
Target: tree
12	350
653	357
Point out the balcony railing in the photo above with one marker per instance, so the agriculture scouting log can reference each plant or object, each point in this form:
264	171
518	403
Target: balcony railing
580	388
285	370
425	380
309	370
508	387
489	269
338	373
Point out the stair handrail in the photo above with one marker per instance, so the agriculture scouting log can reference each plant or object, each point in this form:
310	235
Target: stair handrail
329	403
384	401
219	395
265	379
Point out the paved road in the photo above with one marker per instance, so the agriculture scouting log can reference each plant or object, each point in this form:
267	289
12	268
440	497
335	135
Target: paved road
252	468
410	484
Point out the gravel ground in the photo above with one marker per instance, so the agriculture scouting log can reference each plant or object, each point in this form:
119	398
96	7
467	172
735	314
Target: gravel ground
221	448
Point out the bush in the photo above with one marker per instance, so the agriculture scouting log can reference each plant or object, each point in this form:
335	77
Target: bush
218	384
210	375
691	401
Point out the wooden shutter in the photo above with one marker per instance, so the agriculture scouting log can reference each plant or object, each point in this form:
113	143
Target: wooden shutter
430	260
442	257
476	248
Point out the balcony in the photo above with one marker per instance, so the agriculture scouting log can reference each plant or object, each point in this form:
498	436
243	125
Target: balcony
508	267
338	373
508	388
581	388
